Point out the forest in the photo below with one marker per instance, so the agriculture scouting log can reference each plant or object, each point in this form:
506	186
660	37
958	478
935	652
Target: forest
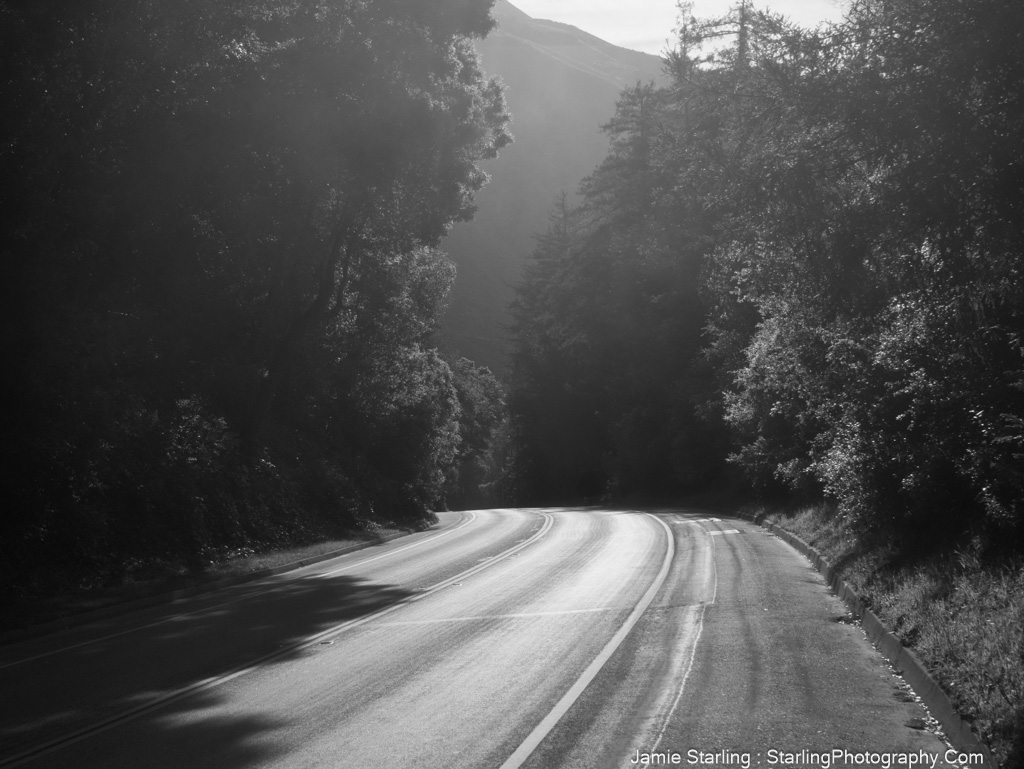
796	275
220	225
797	272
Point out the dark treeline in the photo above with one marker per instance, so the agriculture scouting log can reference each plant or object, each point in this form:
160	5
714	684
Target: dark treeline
801	262
219	231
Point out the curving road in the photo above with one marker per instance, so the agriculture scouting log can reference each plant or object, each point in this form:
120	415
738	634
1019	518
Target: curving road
501	638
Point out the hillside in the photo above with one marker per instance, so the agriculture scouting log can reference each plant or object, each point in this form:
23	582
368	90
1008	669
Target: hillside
562	84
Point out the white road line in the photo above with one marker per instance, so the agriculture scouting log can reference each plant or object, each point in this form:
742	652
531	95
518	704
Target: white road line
524	615
393	552
693	649
569	698
209	683
724	531
249	594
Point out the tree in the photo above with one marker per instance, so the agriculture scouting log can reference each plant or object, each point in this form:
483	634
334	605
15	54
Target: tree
882	365
220	224
482	416
607	326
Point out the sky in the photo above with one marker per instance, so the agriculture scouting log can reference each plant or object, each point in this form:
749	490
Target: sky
646	25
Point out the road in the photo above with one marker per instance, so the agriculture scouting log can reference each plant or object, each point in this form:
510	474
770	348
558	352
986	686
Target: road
501	638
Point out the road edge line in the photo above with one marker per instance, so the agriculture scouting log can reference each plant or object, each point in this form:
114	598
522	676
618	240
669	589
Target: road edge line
78	619
255	577
84	733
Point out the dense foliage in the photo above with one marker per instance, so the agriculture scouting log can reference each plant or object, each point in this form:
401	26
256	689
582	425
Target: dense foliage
219	225
804	253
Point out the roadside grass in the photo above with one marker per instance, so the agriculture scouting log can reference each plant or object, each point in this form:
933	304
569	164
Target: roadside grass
963	618
247	564
158	578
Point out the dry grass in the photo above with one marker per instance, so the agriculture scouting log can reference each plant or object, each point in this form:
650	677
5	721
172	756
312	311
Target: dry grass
248	563
962	617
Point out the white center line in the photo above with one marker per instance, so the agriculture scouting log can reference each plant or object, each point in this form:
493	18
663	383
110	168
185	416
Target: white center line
522	753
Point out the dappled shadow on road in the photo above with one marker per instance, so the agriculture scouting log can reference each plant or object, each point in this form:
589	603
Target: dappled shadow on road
189	733
178	664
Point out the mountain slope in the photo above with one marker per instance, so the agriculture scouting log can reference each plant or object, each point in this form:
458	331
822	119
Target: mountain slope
562	84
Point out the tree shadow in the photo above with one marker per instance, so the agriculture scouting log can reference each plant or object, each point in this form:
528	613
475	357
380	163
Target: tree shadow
95	684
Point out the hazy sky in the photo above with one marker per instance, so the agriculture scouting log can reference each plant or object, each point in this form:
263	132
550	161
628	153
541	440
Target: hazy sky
646	24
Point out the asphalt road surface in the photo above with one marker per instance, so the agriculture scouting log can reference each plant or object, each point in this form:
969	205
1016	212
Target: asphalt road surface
501	638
